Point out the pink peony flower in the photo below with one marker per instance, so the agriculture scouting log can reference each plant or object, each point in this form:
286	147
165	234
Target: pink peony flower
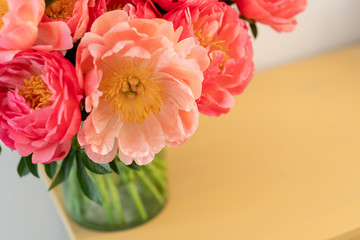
134	8
142	9
75	13
140	85
217	27
18	25
96	9
39	111
278	14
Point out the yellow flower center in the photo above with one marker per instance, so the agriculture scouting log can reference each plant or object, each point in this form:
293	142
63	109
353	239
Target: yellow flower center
209	42
213	45
36	92
4	9
132	92
118	6
60	9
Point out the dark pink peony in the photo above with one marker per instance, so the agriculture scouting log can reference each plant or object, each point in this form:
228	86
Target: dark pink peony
217	27
39	111
279	14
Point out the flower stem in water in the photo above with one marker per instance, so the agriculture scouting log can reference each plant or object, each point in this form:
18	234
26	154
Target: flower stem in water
128	177
114	196
105	199
151	187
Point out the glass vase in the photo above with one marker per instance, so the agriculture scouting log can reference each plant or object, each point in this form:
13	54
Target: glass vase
129	198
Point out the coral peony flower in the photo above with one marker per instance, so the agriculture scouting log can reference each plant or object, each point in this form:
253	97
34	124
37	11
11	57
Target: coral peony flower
18	25
140	85
75	13
39	111
278	14
217	27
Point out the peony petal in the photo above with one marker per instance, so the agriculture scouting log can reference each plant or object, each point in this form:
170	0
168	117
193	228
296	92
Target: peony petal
61	151
101	158
53	36
105	22
142	56
132	141
44	154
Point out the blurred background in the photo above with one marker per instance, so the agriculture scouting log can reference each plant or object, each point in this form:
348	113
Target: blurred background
26	208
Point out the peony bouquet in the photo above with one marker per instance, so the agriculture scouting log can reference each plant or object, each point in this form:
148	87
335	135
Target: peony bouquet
109	83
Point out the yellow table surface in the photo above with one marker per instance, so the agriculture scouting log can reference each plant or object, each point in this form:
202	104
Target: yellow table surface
284	164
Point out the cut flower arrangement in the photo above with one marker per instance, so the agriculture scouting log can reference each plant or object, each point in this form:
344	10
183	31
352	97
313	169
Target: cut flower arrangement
95	89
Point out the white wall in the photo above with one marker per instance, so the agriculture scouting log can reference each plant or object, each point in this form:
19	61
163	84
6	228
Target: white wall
26	210
325	25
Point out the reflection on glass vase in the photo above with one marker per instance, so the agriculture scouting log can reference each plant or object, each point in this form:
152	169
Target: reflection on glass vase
129	198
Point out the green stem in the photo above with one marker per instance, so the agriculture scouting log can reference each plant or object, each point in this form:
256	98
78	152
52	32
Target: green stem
114	196
105	199
147	182
73	198
77	201
156	174
159	162
128	177
68	195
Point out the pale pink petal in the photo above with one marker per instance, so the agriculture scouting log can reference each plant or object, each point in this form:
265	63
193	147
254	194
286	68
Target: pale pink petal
125	158
149	83
102	116
105	22
178	93
131	141
53	36
153	134
101	158
171	123
19	30
144	160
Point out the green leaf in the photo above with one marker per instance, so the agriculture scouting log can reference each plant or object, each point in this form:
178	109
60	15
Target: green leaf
254	29
113	165
74	143
64	171
134	166
49	2
87	185
0	149
252	24
22	169
32	167
50	169
93	166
